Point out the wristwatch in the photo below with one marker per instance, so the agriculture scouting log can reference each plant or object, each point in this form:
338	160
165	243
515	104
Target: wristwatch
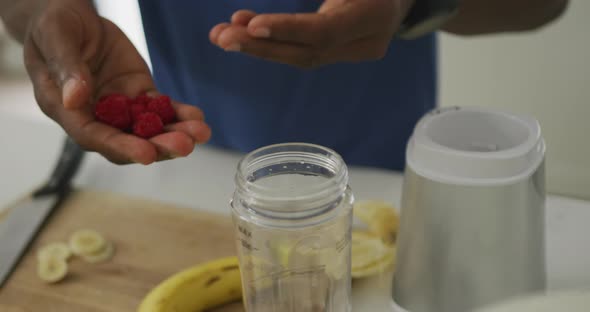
426	16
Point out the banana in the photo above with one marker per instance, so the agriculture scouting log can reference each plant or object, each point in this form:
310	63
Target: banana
376	267
370	255
217	282
52	270
197	288
381	218
86	242
54	250
102	255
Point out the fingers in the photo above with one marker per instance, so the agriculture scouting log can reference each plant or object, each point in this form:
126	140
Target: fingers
343	23
191	122
188	112
184	112
198	131
370	48
242	17
216	31
274	51
59	39
173	144
115	145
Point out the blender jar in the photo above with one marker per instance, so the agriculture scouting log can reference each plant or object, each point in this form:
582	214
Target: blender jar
292	216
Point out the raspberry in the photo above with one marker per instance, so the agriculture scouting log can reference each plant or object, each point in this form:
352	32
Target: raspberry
143	99
148	125
114	110
161	105
136	108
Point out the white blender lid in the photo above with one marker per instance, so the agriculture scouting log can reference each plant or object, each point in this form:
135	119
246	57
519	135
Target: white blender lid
474	145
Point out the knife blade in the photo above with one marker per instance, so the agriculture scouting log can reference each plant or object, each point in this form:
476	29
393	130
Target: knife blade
25	219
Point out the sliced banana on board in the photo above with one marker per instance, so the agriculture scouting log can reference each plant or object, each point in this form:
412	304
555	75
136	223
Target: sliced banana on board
102	255
86	242
52	270
54	250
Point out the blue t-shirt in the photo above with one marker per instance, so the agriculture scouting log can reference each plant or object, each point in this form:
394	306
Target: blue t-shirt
365	111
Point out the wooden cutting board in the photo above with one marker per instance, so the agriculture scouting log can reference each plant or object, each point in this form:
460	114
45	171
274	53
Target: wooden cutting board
153	240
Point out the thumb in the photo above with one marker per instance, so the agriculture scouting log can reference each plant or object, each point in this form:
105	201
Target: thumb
61	48
328	5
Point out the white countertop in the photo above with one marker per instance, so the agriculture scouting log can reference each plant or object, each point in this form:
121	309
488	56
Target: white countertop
30	144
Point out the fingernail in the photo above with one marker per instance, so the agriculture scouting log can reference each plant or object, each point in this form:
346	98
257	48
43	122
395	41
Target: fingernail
234	47
68	91
261	32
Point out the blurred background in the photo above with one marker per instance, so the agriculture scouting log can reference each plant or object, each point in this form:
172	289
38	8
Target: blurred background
545	74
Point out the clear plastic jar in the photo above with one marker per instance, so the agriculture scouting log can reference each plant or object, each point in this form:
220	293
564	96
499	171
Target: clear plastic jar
292	214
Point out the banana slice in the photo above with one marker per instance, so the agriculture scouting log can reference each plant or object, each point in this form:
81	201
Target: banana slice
52	270
86	242
370	255
106	253
374	268
381	218
54	250
310	252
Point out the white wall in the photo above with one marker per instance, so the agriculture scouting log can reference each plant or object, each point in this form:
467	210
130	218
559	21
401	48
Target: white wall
126	15
545	74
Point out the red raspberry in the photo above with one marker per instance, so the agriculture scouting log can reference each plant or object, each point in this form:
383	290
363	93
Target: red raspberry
161	105
135	109
143	99
148	125
113	110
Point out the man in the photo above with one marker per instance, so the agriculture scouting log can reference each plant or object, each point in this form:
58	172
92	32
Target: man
351	75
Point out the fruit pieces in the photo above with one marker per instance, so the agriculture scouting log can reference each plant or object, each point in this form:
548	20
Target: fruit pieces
373	251
147	125
136	109
86	241
52	270
127	114
88	244
91	246
380	217
162	106
370	255
198	288
103	254
210	284
54	250
114	111
143	99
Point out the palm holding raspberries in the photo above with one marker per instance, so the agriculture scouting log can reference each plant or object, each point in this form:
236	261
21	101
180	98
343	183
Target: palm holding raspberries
74	58
143	116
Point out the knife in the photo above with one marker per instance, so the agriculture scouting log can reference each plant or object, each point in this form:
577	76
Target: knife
25	219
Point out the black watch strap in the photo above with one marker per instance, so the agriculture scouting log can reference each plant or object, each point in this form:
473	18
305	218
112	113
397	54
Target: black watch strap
426	16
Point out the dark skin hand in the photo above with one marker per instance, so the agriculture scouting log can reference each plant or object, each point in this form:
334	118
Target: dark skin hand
340	31
74	57
361	30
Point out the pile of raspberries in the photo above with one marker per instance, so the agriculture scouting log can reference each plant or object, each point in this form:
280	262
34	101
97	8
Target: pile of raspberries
143	116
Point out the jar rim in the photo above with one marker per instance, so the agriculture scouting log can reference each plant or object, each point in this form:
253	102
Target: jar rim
316	196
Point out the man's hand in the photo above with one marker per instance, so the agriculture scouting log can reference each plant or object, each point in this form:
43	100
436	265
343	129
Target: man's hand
73	57
340	31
